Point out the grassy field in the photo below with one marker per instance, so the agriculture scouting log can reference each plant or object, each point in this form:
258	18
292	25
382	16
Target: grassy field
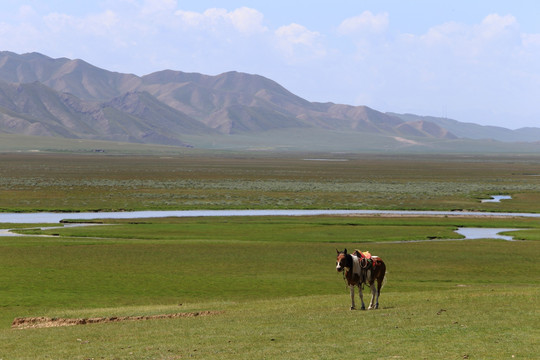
274	279
271	280
62	182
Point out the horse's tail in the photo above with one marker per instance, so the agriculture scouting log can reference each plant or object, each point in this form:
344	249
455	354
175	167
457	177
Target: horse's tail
384	279
385	275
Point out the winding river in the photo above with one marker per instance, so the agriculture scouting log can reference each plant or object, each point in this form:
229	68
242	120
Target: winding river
48	217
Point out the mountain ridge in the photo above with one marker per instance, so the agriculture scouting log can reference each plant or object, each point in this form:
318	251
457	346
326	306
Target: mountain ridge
68	98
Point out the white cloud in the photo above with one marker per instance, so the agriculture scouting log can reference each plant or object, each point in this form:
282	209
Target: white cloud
297	34
366	22
298	43
26	11
495	25
189	18
158	6
56	22
101	24
531	40
96	24
368	31
247	20
495	38
244	20
23	37
443	34
453	69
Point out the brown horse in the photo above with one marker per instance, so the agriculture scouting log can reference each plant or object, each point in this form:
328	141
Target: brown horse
360	269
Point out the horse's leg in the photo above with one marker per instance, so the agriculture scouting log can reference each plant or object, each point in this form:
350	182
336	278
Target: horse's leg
380	281
379	286
377	299
373	295
361	295
352	297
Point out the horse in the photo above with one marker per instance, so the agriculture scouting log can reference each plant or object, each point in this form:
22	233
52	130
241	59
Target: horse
359	269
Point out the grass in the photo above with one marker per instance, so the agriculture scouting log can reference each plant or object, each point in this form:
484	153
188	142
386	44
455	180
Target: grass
281	298
274	278
68	182
410	326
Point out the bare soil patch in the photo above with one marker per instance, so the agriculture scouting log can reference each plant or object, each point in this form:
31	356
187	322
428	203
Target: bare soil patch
46	322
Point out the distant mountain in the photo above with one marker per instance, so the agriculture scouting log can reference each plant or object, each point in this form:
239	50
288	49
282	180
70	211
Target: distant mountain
73	99
76	77
35	109
475	131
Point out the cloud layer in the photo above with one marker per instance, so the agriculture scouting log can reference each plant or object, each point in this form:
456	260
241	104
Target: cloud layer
488	72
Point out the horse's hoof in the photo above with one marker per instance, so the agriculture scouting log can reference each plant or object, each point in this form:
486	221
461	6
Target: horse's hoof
363	308
353	308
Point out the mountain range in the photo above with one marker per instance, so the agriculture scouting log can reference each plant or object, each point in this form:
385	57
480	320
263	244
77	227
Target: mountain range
67	98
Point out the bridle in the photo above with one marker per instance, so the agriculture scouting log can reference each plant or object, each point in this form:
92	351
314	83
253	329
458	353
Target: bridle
345	269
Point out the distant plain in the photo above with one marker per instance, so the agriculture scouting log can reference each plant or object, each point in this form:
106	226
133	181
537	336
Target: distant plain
269	180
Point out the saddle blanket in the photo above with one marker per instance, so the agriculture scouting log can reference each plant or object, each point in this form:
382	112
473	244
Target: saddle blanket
364	254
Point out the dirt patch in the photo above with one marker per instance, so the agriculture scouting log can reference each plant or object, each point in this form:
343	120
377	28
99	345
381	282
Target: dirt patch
45	322
406	141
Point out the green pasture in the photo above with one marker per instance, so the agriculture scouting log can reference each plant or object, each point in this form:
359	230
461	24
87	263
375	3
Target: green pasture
274	280
271	279
99	182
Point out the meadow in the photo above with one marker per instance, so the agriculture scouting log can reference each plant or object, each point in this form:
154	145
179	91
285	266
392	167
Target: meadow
270	280
71	182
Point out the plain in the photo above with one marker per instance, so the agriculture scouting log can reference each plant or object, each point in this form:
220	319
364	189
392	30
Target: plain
273	279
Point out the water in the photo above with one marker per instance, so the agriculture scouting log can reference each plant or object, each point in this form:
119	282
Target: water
497	198
9	232
34	218
48	218
485	233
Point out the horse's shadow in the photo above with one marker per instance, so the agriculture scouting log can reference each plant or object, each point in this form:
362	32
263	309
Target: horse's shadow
380	308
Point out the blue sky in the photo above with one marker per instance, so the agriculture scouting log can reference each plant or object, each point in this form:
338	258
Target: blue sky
473	61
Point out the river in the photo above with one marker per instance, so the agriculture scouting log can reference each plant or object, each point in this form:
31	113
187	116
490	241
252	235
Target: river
50	218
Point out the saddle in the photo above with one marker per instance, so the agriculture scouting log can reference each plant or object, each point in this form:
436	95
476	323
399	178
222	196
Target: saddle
362	254
366	262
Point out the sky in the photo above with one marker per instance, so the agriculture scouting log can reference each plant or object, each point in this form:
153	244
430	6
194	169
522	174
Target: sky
473	61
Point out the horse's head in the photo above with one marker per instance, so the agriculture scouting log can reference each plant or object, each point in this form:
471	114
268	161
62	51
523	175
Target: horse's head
342	260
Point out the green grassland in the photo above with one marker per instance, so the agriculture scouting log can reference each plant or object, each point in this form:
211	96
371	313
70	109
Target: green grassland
272	279
96	182
275	281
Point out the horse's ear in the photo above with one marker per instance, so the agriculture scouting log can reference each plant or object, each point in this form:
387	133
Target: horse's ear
345	251
337	251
